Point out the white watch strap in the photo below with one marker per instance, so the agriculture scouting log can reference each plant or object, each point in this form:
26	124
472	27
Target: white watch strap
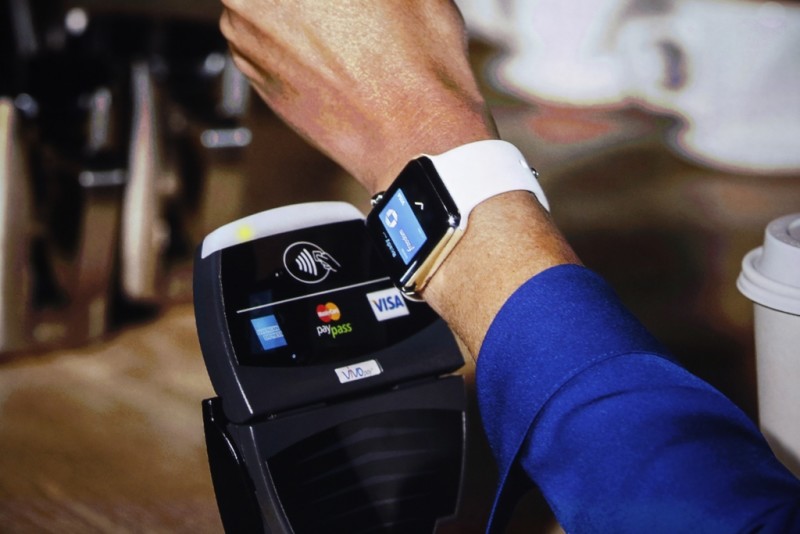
478	171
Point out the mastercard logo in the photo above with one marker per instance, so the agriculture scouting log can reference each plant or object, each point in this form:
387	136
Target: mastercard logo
328	312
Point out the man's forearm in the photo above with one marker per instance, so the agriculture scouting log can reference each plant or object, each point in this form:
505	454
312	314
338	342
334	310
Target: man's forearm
510	238
370	83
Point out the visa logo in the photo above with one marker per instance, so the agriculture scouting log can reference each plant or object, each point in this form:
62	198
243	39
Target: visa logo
387	304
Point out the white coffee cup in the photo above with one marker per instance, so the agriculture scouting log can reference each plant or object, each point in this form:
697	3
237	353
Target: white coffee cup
771	279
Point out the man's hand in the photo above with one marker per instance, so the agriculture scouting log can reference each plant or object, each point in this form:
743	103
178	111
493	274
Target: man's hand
372	83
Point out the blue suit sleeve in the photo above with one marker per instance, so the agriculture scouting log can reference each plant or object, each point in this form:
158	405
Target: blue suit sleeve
578	396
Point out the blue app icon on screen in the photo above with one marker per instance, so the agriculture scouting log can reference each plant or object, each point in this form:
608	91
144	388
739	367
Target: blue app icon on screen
402	226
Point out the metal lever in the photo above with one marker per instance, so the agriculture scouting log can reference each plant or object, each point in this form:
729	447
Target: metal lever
15	233
86	278
81	277
144	232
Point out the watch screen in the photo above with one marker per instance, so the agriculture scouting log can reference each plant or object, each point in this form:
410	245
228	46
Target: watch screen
415	214
313	296
402	226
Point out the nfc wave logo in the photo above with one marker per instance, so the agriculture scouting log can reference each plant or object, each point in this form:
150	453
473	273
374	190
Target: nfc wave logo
358	371
308	263
387	304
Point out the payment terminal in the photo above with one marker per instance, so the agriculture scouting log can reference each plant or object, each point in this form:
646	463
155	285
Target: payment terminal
335	410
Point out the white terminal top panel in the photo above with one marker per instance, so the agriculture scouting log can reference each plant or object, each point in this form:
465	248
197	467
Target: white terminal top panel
278	221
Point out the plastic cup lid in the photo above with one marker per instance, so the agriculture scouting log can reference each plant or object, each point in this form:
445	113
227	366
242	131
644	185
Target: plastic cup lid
771	273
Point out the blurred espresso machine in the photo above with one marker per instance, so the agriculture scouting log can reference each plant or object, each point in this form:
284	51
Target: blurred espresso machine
112	124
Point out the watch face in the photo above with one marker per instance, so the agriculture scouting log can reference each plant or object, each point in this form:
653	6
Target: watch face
413	219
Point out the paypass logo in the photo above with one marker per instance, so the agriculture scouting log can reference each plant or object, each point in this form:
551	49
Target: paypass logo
328	313
387	304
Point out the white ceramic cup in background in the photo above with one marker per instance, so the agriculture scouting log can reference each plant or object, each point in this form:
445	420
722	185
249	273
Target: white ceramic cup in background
771	279
730	71
727	69
553	50
564	51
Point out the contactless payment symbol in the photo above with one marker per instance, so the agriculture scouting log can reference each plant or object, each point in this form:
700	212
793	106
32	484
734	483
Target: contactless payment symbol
308	263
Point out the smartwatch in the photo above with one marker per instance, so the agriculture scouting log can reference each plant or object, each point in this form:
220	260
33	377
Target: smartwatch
418	220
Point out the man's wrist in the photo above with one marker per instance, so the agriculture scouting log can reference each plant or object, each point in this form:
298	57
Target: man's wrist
510	239
431	135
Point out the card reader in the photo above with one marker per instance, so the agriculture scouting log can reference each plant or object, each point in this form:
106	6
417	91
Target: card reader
335	407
